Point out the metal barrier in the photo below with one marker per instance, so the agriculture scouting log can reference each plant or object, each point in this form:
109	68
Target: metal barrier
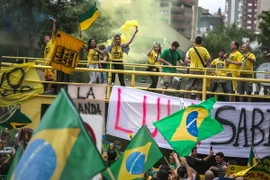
135	73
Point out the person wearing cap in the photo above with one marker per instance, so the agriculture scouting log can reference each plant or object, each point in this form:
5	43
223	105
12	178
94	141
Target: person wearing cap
170	57
199	59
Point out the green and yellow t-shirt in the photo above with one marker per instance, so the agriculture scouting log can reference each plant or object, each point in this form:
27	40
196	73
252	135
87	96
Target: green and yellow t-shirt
152	60
248	63
92	56
220	66
235	57
194	58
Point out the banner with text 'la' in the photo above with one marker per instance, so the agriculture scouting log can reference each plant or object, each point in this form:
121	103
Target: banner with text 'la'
244	123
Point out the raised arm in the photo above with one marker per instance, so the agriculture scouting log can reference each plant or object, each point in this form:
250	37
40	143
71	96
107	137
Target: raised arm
149	52
130	41
190	172
53	37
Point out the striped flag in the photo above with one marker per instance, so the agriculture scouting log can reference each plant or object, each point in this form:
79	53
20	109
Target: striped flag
86	19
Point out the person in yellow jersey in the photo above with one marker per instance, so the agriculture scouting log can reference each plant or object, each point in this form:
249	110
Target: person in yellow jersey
153	55
93	55
117	50
233	63
50	43
220	65
248	60
199	59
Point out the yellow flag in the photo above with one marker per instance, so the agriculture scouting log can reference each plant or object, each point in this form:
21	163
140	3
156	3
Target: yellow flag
66	53
16	84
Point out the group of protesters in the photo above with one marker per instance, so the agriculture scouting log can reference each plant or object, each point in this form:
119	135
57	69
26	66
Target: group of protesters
233	64
180	168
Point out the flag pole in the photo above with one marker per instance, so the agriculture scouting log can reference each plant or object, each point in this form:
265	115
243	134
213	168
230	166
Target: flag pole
166	161
80	32
110	174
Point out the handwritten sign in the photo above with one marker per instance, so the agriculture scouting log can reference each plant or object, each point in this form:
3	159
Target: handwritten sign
16	84
87	91
89	99
260	171
244	123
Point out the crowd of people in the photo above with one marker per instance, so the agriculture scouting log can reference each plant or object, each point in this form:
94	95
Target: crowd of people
228	64
180	168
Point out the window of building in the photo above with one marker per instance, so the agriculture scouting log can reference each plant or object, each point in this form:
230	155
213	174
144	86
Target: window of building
164	4
164	12
249	4
248	27
249	10
249	22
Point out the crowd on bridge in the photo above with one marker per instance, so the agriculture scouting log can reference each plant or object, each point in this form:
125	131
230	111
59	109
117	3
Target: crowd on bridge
228	64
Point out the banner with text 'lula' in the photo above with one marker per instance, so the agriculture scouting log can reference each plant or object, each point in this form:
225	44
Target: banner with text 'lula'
244	123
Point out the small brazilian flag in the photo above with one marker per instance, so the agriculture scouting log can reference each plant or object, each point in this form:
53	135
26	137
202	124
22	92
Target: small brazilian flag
140	155
251	159
16	120
61	147
185	128
86	19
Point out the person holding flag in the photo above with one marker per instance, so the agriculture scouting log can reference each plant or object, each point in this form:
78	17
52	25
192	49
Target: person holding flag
50	43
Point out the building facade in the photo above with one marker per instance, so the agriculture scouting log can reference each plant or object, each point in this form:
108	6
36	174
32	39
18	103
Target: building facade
262	5
234	12
250	15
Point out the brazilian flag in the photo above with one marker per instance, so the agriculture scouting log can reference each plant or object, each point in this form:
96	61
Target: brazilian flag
61	147
140	155
185	128
251	159
16	120
88	18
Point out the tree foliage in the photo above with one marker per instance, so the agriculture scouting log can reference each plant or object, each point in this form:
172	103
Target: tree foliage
29	20
264	36
221	37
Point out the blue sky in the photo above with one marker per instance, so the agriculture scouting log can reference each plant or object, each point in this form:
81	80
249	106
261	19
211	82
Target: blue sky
212	5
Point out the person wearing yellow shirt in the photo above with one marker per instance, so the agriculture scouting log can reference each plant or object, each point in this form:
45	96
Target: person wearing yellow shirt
50	43
153	56
199	59
233	63
117	50
248	60
220	66
93	55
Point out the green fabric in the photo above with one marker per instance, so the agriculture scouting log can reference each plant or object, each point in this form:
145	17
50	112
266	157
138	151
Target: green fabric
88	14
251	159
172	57
61	146
185	128
14	163
140	155
17	120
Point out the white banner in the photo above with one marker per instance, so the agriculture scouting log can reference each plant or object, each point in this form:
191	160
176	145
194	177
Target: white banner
95	126
244	123
89	99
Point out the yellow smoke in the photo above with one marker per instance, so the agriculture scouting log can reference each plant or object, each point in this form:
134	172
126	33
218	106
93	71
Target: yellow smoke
127	30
